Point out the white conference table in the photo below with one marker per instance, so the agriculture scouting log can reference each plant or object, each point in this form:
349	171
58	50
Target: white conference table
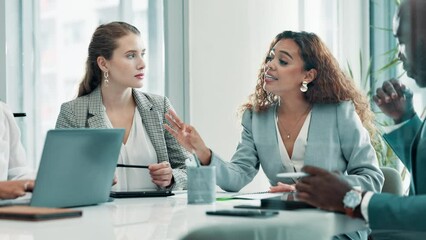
172	218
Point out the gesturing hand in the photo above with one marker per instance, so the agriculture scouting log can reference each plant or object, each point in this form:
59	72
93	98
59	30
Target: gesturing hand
395	100
188	137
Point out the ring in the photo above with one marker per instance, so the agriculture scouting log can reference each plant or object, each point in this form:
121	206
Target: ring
26	186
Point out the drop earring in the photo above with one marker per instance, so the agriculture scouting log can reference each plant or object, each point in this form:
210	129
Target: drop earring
106	81
304	86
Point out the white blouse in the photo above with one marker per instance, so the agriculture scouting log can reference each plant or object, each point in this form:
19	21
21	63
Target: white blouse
299	148
13	163
138	150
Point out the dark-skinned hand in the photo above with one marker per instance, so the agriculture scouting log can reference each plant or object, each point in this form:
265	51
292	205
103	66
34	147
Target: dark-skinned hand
322	189
395	100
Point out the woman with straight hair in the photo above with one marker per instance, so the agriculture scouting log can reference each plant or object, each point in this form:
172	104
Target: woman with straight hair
108	97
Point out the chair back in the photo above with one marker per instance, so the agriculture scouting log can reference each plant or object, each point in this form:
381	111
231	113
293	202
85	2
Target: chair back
393	181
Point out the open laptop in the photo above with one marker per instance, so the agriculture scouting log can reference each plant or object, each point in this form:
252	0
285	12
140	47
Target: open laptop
77	167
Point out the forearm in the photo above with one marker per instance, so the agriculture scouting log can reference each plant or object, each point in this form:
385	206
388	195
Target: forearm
234	175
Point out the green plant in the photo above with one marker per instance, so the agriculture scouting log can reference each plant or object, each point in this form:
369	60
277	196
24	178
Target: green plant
384	153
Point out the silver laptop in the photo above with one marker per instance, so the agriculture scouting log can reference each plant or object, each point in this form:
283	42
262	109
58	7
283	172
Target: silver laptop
77	167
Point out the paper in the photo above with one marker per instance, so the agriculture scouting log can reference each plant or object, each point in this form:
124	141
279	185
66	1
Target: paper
256	195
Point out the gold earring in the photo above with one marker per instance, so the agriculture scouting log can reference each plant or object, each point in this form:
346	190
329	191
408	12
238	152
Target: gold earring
106	81
304	86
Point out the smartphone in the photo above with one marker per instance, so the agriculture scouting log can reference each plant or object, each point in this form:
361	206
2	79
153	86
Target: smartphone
288	201
243	213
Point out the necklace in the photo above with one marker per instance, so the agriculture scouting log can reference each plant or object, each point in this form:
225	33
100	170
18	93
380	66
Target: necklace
288	132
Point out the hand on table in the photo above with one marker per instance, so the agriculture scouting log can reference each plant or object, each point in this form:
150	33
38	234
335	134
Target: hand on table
282	187
15	188
322	189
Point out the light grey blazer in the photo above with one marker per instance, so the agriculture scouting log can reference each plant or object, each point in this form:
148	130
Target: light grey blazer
336	139
86	112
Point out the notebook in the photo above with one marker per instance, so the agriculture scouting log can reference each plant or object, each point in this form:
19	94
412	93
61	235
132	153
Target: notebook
76	168
28	213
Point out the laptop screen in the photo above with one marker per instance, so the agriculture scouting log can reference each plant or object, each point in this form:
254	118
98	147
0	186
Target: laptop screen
77	167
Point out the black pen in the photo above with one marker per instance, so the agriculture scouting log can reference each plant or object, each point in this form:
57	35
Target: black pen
131	166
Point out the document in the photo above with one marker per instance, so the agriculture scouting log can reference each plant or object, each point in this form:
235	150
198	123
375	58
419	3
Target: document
256	195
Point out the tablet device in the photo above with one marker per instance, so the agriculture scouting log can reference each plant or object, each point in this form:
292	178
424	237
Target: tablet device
139	194
243	213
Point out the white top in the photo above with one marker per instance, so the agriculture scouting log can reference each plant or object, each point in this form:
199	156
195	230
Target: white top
299	147
13	163
364	205
138	150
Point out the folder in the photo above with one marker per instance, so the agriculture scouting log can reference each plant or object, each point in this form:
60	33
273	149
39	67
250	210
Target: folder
28	213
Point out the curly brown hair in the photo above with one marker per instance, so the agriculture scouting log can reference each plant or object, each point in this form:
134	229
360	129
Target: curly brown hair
331	84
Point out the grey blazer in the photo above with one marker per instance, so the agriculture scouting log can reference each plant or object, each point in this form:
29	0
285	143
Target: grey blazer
336	140
86	112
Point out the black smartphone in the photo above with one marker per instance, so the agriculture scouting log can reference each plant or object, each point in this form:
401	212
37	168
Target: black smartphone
288	201
243	213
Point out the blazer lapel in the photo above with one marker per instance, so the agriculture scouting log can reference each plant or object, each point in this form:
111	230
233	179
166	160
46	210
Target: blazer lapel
418	160
153	122
95	112
314	132
321	139
267	142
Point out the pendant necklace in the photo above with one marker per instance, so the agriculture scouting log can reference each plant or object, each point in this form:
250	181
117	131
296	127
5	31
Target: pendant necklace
288	133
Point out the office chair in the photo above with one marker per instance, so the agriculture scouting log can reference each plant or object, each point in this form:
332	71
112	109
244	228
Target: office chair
393	181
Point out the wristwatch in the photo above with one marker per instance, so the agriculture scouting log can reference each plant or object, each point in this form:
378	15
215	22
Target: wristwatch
351	200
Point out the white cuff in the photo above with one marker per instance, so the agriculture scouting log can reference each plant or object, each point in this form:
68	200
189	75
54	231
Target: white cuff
364	205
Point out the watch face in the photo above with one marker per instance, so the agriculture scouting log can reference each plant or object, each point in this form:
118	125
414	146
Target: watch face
352	199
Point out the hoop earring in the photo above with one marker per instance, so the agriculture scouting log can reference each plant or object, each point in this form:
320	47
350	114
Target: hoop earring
304	86
106	81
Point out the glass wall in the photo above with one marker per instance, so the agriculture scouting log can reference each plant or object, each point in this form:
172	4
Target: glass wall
64	29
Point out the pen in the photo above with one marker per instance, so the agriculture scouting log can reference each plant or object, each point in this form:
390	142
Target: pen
197	161
131	166
19	114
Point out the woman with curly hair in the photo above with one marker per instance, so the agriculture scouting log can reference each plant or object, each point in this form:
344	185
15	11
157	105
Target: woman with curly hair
304	111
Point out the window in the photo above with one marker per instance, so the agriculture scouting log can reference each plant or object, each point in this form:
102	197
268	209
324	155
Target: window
63	30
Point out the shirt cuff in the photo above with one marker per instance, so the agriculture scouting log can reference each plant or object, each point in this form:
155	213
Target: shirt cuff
364	205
